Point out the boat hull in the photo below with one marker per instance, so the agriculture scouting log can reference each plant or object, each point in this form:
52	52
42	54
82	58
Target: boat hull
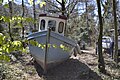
59	49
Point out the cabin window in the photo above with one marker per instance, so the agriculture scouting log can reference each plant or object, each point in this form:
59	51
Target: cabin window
42	25
60	27
52	24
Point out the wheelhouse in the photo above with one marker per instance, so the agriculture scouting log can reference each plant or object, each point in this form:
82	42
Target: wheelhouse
57	24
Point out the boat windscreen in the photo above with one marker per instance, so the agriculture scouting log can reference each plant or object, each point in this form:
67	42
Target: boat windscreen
52	24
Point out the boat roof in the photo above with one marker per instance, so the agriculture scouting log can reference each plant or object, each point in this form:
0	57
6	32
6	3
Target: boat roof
53	16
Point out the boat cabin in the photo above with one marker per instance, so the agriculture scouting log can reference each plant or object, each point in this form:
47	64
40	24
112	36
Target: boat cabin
57	24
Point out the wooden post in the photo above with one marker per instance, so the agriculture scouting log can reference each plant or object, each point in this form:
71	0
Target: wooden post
46	49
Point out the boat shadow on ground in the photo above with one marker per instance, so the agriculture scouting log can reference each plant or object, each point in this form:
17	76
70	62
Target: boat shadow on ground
71	69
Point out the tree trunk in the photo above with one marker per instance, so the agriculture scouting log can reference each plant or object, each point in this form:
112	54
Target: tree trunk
63	7
34	12
9	24
86	14
116	33
22	17
87	24
101	64
62	4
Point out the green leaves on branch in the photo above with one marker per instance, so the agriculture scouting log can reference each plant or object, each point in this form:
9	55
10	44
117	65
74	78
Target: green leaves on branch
5	18
7	46
41	3
1	1
42	46
15	19
2	38
6	5
4	57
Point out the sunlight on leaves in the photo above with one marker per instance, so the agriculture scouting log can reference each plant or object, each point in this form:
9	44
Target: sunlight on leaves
24	50
62	46
42	4
6	5
30	2
4	58
34	43
1	1
54	46
39	45
0	49
7	46
43	46
1	35
17	43
0	53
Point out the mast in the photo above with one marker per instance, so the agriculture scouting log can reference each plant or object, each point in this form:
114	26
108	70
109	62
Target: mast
46	49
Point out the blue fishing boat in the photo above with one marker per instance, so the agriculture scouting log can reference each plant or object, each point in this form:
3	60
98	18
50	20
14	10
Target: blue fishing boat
54	47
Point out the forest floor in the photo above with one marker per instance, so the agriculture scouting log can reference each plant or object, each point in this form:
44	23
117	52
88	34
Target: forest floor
81	67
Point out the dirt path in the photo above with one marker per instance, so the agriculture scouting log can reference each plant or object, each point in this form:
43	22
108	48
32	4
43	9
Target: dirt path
75	68
71	69
82	67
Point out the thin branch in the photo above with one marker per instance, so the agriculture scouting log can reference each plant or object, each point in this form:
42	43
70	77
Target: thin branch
59	2
69	4
73	7
49	2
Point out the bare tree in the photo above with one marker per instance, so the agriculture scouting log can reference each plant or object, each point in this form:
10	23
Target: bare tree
101	63
21	19
116	32
34	13
64	6
9	25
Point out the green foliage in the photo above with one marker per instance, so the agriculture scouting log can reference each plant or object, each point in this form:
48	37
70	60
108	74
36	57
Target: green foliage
1	1
42	46
41	3
78	30
15	19
6	6
7	46
4	57
5	18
